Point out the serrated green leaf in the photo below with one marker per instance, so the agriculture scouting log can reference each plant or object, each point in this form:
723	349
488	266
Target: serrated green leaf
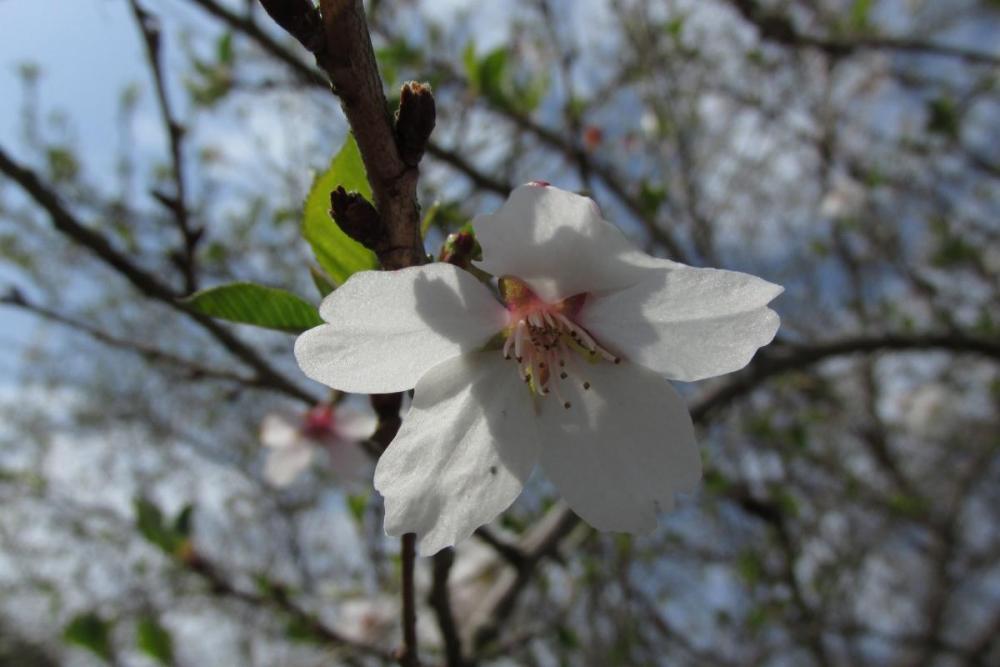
338	254
88	630
261	306
154	640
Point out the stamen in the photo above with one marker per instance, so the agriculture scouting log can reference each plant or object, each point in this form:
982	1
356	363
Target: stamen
546	338
519	340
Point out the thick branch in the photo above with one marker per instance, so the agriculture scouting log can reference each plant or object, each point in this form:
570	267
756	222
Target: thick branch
348	59
313	77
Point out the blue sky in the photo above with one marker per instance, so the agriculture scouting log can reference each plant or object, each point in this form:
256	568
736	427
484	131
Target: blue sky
87	51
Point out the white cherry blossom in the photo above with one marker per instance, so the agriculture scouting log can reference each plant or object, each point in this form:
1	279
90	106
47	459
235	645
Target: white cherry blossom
562	366
294	439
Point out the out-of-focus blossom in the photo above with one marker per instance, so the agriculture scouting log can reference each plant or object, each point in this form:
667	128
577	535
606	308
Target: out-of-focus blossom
293	440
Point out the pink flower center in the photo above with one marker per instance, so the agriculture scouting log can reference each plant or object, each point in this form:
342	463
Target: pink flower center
318	422
545	340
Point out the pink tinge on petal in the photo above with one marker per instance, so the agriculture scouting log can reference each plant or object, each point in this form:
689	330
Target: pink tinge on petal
539	184
318	422
545	339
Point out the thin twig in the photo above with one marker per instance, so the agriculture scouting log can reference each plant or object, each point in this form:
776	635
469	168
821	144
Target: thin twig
144	281
177	204
277	598
440	601
779	28
155	355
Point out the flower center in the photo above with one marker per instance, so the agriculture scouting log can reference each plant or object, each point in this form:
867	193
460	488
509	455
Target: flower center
318	422
546	342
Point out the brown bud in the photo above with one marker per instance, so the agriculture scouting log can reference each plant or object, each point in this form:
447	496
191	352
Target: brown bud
357	218
414	121
300	19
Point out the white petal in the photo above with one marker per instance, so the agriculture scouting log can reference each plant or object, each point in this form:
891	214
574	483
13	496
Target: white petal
279	431
284	465
353	423
463	453
557	242
622	449
686	323
349	460
387	328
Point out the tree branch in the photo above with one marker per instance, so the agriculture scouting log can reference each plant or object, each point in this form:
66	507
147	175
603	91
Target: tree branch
314	77
177	204
440	601
408	655
784	358
278	599
344	51
778	28
145	282
17	300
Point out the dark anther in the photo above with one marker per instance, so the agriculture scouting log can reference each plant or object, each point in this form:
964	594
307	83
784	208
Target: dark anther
563	375
567	405
586	385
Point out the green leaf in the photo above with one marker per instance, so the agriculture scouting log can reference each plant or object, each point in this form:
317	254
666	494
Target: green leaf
149	521
943	117
88	630
428	220
492	74
154	640
224	48
357	505
471	62
261	306
339	255
182	522
323	284
860	15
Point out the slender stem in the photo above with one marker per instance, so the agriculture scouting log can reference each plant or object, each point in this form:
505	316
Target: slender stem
408	656
440	599
177	203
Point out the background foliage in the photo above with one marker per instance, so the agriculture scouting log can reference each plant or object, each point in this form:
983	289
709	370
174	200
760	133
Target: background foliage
845	149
